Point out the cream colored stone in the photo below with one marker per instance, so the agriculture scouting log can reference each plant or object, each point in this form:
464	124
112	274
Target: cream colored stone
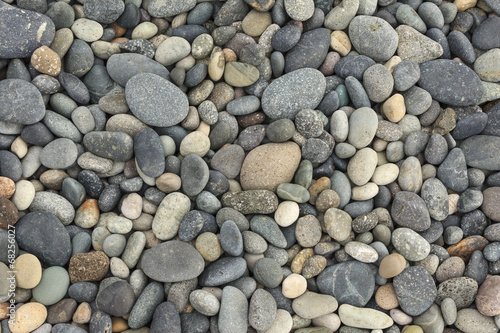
28	271
87	30
294	285
394	108
364	317
82	314
24	195
364	192
216	64
144	30
340	42
385	174
196	143
287	213
19	147
386	297
330	321
392	265
29	317
391	63
255	23
168	182
463	5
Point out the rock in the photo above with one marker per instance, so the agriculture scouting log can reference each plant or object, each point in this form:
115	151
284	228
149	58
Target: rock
310	51
162	8
166	319
453	170
409	210
491	198
149	154
482	37
169	215
172	255
233	314
29	317
474	149
378	83
471	320
262	310
437	74
337	281
311	305
251	202
362	166
59	154
116	146
416	47
52	287
44	235
194	174
116	299
122	67
462	290
46	61
341	15
487	295
264	168
80	263
148	94
277	103
223	271
144	307
268	272
415	290
238	74
368	32
410	245
363	125
364	318
104	12
21	102
23	32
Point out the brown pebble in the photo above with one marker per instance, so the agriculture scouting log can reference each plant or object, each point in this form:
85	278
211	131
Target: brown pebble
7	187
46	61
90	266
300	259
53	179
317	187
9	214
62	311
326	200
4	310
313	266
491	202
119	31
251	119
118	324
83	313
467	246
488	296
450	268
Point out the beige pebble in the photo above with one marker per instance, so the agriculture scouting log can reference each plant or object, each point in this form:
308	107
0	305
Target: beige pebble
179	20
29	317
168	182
365	192
104	50
452	202
208	245
87	215
463	5
118	324
46	61
63	40
144	30
196	143
400	317
28	271
391	63
392	265
330	321
216	64
204	128
255	23
229	55
394	108
83	313
24	195
53	179
287	213
294	285
118	268
87	30
132	206
340	42
19	147
386	297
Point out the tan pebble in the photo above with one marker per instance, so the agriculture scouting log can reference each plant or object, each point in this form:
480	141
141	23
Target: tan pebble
328	199
386	297
7	187
168	182
104	50
29	317
4	310
37	185
132	206
391	63
452	203
394	108
463	5
330	321
118	324
216	64
317	187
229	55
392	265
208	245
82	314
195	143
28	271
179	20
287	213
413	329
293	286
255	23
340	42
300	259
46	61
400	317
144	30
151	239
204	128
19	147
63	40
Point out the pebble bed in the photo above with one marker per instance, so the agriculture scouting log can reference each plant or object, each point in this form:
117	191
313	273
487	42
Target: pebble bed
267	166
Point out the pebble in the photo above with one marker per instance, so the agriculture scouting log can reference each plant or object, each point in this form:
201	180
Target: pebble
415	290
311	305
471	320
364	318
29	317
52	287
233	314
410	245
